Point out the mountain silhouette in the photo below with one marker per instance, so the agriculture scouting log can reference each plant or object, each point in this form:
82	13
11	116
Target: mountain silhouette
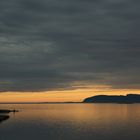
129	98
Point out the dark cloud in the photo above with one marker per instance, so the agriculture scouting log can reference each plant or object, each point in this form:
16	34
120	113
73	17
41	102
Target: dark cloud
51	44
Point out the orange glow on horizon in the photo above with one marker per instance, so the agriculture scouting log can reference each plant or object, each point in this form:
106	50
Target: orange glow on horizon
76	95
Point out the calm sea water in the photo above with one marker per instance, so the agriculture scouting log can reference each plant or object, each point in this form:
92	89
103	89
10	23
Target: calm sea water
72	122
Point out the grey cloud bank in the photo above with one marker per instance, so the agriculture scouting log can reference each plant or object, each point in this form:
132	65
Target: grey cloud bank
50	44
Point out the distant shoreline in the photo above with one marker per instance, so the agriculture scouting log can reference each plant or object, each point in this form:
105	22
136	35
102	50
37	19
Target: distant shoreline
40	102
119	99
7	111
82	102
128	99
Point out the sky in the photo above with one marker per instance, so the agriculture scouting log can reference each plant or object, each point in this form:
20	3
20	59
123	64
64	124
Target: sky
67	50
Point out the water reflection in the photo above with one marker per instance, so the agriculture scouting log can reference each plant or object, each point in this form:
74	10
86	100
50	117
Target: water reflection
72	122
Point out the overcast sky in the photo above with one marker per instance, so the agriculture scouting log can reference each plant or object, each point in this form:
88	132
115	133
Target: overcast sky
53	44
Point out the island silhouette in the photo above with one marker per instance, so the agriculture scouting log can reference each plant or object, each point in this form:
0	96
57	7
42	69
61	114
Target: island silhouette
129	98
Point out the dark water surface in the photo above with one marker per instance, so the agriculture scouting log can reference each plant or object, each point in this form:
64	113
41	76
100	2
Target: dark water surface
72	122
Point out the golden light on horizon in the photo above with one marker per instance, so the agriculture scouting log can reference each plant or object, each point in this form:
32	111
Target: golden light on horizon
76	95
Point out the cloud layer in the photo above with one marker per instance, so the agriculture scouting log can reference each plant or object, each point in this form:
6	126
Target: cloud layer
51	44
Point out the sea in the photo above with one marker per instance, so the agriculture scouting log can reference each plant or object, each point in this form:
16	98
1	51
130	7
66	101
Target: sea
71	121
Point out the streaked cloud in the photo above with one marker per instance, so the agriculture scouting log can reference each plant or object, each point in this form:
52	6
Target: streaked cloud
51	44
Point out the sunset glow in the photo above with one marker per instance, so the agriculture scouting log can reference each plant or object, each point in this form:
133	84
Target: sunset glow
76	95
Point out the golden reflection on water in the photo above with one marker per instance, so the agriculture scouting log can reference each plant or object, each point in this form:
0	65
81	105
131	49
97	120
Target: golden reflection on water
72	122
79	113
